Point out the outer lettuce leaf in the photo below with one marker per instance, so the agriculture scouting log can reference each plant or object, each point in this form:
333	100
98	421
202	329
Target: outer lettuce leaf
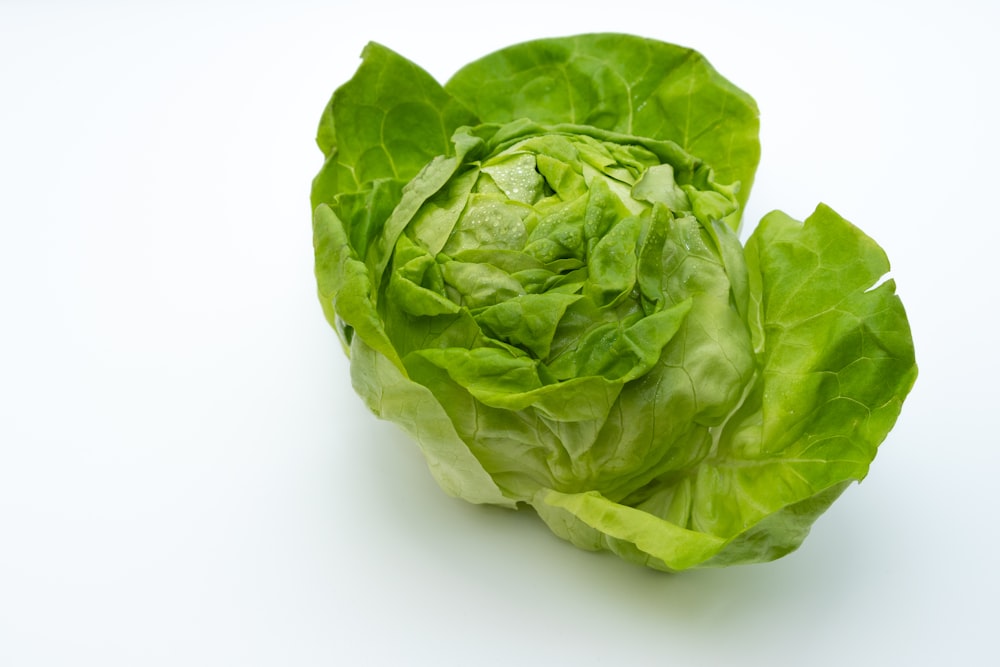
388	121
835	365
377	132
624	84
838	349
392	396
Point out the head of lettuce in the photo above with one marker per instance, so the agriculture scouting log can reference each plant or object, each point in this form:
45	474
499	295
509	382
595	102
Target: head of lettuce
535	271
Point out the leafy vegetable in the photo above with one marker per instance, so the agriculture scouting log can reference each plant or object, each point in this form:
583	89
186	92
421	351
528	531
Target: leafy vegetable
535	271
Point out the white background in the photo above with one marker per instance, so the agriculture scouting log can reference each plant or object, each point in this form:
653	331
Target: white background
186	477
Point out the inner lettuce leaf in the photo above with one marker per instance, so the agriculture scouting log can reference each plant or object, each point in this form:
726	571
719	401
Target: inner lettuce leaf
535	270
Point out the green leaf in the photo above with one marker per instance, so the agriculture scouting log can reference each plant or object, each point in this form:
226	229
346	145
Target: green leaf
393	396
593	522
612	262
387	122
837	363
624	84
528	320
838	345
346	289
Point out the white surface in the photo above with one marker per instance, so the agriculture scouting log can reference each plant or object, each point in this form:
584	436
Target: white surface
186	477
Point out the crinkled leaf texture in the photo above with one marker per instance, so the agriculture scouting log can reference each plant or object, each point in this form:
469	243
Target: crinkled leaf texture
535	271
